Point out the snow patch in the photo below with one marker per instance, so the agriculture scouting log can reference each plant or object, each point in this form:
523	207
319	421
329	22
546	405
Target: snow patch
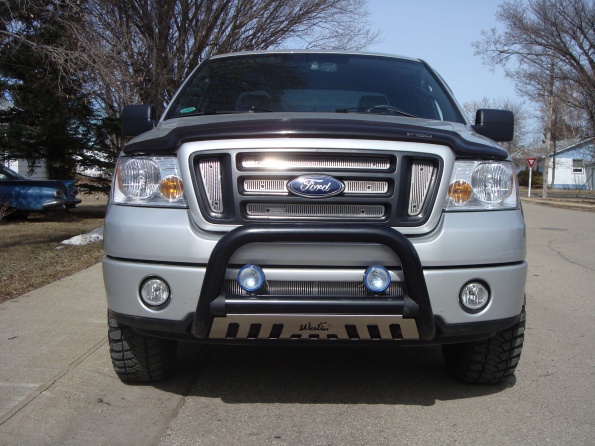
96	235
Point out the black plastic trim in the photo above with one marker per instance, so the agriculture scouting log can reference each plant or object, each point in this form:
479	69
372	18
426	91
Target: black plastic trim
314	128
331	267
445	333
233	240
153	325
452	333
298	304
474	266
157	262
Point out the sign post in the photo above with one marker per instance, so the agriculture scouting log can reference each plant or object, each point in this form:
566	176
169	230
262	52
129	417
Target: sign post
531	162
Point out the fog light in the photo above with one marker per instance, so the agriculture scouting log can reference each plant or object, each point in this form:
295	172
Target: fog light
154	291
377	279
474	296
250	278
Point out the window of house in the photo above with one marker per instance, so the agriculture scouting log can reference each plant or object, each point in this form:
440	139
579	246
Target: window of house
578	166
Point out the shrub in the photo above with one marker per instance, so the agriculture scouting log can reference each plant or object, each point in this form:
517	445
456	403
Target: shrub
536	178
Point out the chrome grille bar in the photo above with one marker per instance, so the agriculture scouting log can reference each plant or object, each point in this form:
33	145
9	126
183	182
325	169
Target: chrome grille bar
338	211
366	187
274	186
210	173
421	177
265	186
282	162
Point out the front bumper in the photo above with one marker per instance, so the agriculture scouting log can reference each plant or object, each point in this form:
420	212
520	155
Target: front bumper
428	313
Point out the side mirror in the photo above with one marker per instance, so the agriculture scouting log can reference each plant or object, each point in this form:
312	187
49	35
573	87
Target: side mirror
137	119
495	124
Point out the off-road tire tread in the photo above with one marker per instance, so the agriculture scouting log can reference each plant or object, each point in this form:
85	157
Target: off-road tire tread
139	358
490	361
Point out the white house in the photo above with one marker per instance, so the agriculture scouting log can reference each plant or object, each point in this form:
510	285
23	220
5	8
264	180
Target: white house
575	166
37	171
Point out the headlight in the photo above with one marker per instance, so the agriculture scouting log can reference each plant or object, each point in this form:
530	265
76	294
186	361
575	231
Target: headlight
492	182
148	181
482	185
139	178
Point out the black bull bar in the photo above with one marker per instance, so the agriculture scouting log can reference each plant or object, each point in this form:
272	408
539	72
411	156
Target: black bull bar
233	240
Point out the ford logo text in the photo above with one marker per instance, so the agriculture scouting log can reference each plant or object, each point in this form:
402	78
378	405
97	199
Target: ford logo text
315	186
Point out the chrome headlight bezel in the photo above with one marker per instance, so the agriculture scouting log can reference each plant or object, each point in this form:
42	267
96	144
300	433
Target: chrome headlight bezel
153	181
481	186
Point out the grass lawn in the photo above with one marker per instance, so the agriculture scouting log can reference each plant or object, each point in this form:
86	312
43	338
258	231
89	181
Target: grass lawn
31	253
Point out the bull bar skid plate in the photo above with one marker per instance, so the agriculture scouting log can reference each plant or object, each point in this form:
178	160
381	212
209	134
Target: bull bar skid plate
212	305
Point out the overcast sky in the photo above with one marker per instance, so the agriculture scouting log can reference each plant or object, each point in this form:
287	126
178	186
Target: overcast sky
441	33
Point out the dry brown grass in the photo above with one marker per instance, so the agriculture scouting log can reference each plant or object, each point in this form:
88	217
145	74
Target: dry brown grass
31	253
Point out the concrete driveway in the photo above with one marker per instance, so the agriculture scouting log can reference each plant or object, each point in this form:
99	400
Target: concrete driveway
57	385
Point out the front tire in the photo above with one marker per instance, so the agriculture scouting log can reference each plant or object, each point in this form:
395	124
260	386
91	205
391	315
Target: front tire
490	361
139	358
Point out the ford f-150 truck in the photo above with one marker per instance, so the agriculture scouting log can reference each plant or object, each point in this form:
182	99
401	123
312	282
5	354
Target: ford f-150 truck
315	198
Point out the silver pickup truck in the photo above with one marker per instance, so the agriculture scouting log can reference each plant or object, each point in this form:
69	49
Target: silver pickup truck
319	198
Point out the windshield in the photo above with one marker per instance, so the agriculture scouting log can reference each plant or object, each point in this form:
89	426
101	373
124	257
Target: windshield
315	82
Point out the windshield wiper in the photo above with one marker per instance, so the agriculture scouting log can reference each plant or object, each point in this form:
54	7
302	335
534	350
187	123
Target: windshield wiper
227	111
378	110
246	109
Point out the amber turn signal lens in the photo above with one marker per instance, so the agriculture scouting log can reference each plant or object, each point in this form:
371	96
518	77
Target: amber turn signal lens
460	191
171	188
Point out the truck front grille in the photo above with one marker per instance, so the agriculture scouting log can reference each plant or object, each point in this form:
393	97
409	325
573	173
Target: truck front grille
239	187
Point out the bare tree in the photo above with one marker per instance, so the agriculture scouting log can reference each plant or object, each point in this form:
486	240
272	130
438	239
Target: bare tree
141	50
545	40
20	18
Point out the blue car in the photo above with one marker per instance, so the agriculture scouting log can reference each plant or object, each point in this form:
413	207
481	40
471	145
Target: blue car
24	195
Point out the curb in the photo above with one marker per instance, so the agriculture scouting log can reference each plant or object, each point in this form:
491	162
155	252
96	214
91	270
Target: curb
568	203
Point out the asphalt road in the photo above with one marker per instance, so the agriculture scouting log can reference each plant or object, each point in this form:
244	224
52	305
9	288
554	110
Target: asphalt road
57	385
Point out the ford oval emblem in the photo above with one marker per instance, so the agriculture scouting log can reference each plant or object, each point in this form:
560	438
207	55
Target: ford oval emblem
315	186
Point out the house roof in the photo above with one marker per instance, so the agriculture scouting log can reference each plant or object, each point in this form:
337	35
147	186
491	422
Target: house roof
582	149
